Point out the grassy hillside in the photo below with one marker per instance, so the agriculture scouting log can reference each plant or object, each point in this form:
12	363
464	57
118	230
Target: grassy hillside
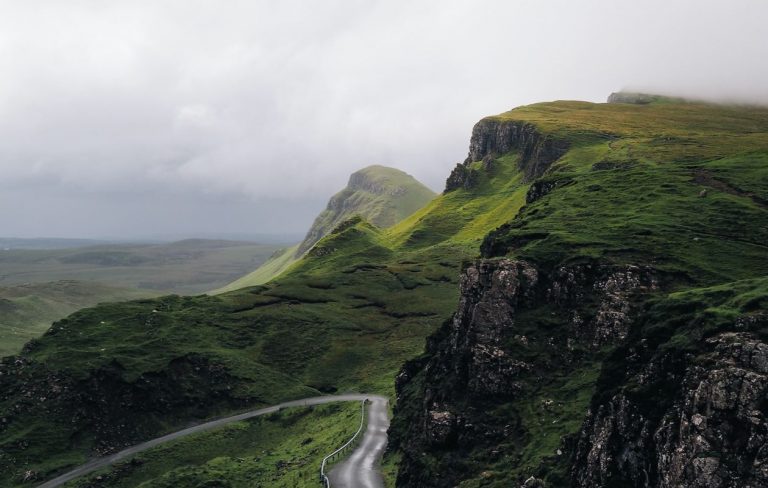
364	299
188	267
281	450
281	260
40	284
26	311
381	195
344	318
681	186
672	189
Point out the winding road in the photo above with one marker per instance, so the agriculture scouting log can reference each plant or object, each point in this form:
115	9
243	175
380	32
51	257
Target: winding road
367	453
359	469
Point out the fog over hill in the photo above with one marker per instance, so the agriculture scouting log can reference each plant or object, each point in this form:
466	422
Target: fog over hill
139	118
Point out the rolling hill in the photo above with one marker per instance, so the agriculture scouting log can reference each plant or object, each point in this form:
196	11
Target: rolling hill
622	258
44	280
381	195
28	310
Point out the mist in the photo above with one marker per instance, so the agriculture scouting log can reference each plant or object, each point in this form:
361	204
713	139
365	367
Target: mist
189	118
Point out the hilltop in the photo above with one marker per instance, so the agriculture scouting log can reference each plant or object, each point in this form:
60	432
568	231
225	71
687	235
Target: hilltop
381	195
604	337
613	240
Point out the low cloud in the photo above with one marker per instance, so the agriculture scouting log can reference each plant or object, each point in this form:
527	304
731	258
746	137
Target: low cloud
258	111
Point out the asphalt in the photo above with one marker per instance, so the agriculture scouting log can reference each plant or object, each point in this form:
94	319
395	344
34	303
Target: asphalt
378	402
360	470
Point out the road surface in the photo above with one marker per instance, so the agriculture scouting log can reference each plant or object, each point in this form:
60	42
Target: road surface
102	462
360	470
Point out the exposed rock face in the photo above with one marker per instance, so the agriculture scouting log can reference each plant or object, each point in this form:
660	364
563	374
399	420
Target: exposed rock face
490	295
462	176
714	433
682	417
492	138
472	364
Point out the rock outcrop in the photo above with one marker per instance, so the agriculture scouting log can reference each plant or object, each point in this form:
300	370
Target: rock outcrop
493	352
687	415
492	138
713	433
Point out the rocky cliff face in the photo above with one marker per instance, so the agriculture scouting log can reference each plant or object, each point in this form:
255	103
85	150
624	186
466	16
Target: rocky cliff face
711	433
489	363
491	138
662	414
486	394
381	195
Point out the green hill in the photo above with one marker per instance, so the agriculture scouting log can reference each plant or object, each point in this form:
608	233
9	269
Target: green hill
27	310
579	191
281	260
383	196
44	280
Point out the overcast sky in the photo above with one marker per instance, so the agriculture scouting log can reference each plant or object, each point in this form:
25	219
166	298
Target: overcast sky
137	118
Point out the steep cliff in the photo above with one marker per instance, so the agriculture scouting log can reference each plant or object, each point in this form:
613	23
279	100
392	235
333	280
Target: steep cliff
606	278
614	333
684	407
492	138
514	363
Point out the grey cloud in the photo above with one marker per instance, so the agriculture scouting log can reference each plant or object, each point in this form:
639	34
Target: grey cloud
247	115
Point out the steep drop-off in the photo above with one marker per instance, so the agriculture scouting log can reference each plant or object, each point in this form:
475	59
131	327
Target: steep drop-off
614	333
634	239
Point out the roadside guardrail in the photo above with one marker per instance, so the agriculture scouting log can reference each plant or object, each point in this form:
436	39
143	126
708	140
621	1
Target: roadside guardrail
347	445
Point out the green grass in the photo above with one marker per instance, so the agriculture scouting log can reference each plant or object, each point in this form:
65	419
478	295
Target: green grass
278	450
28	310
280	261
679	187
344	318
40	286
364	299
381	195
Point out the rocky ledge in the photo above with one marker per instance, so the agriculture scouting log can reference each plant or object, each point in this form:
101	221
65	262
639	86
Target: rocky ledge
492	138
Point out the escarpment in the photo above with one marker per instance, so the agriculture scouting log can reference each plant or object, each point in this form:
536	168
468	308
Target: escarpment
612	333
601	342
709	429
499	354
492	138
499	378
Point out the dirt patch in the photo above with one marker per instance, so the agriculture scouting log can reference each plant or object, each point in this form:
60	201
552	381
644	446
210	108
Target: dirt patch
706	178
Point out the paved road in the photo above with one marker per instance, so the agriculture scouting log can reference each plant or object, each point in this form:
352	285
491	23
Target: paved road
98	463
360	469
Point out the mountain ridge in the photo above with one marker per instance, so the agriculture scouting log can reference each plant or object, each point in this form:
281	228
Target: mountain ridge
381	195
363	195
569	286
